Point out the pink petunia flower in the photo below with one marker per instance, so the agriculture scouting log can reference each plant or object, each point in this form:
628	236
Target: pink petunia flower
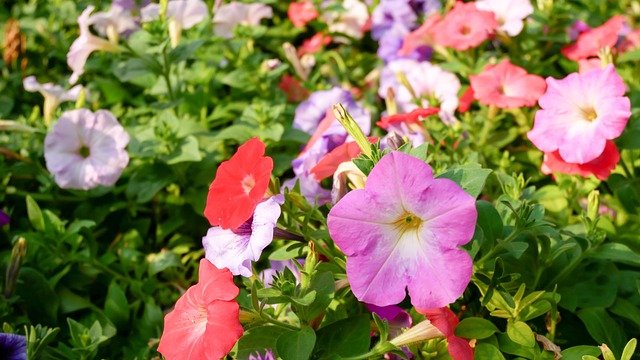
237	248
84	45
464	27
422	36
589	42
113	23
408	227
314	44
599	167
300	13
580	113
205	323
507	86
86	149
446	321
53	95
235	13
509	13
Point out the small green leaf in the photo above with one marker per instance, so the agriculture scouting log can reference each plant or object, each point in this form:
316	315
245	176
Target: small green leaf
578	352
603	328
486	351
163	260
184	51
475	328
258	339
116	307
470	180
35	214
347	338
519	332
629	349
296	345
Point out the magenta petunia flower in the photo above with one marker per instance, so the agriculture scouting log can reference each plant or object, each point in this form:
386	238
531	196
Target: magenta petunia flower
237	248
235	13
86	149
402	231
580	113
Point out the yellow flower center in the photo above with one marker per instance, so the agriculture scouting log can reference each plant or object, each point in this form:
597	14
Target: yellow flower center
590	114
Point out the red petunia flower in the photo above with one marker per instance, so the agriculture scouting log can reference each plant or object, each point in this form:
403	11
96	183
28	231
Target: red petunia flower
300	13
293	88
467	98
413	117
204	323
239	185
464	27
422	36
446	321
328	165
589	42
507	86
600	167
314	44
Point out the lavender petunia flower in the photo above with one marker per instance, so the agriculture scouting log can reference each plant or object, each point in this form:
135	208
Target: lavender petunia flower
391	43
509	13
53	95
131	5
86	149
391	14
235	249
113	23
84	45
426	7
397	317
233	14
13	346
183	14
310	188
409	228
268	355
4	218
434	87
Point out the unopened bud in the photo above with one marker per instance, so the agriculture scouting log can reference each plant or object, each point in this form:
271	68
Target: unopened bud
15	262
395	141
593	205
352	128
425	330
175	32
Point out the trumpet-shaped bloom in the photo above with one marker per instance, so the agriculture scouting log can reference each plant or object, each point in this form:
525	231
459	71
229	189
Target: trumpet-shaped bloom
4	218
590	41
599	167
580	113
507	86
13	346
233	14
86	149
402	231
236	249
392	14
464	27
84	45
300	13
446	321
509	13
185	13
397	317
239	186
422	36
53	94
328	165
204	323
116	21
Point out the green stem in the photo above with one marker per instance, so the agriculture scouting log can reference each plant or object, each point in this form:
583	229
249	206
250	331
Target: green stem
279	323
166	73
497	249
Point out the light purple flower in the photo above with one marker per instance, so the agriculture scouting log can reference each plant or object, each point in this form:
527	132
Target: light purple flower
4	218
182	15
391	43
396	317
434	86
390	14
577	28
113	23
402	231
235	13
310	188
268	355
426	7
131	5
412	134
53	94
350	21
13	346
86	149
235	249
509	13
84	45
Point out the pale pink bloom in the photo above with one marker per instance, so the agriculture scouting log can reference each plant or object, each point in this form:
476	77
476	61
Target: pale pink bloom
53	94
350	22
235	13
185	13
434	87
580	113
507	86
86	149
586	65
509	13
84	45
113	23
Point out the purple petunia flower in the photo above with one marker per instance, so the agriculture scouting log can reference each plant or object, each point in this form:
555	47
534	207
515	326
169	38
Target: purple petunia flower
4	218
86	149
131	5
391	14
235	249
408	228
397	317
268	355
391	43
228	16
310	187
13	346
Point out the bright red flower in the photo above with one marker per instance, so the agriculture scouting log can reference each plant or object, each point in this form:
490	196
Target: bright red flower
292	87
466	100
204	323
589	42
314	44
600	167
446	321
239	185
507	86
328	165
464	27
300	13
413	117
421	36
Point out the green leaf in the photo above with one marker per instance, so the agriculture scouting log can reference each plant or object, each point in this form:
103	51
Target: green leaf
185	50
138	71
521	333
577	352
147	181
70	301
291	251
116	307
470	179
296	345
163	260
486	351
323	285
475	328
489	220
306	300
34	213
616	252
186	150
629	349
347	338
603	328
40	300
258	339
